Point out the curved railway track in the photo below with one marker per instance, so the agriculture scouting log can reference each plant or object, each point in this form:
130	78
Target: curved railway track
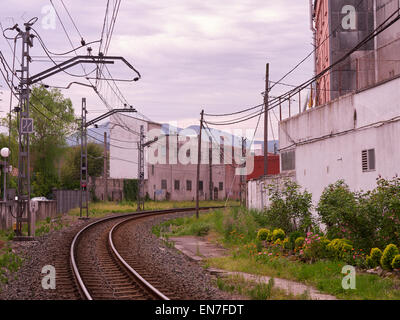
103	268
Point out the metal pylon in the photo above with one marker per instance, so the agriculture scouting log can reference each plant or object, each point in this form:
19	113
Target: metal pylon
84	194
24	191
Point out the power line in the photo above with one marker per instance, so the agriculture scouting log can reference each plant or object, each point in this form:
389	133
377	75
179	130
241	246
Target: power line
290	93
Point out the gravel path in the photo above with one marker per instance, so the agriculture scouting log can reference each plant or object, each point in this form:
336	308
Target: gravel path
181	273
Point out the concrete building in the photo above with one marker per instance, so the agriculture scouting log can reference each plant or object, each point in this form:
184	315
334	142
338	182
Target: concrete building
166	176
353	132
340	26
355	136
273	166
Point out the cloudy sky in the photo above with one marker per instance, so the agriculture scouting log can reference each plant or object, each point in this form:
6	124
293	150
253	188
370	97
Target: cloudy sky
192	54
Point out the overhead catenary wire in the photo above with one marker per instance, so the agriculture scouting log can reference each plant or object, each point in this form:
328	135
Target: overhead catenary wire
284	97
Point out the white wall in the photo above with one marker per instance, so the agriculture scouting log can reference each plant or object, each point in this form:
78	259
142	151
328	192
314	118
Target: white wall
337	157
123	148
257	190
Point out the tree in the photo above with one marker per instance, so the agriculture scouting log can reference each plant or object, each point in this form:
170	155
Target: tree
54	121
70	172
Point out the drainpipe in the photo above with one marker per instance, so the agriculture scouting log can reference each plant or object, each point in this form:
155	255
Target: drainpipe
375	43
262	184
314	31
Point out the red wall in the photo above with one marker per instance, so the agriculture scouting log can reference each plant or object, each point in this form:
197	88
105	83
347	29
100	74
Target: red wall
273	166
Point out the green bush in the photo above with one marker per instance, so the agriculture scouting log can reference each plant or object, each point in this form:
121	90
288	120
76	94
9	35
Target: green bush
375	256
388	255
286	244
263	234
278	234
396	262
339	249
278	242
293	236
324	248
343	212
290	208
299	242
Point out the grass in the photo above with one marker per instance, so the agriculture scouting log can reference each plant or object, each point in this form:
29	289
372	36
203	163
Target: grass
255	290
236	230
325	276
101	209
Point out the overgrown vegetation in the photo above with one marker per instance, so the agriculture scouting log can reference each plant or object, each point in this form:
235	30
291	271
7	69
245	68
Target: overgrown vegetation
292	246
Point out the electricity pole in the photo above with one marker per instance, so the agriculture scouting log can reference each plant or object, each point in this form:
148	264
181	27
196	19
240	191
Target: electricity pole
141	146
198	164
140	204
243	177
266	97
25	128
105	168
210	164
84	194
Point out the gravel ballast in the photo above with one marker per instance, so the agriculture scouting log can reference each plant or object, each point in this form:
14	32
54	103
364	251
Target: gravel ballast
180	272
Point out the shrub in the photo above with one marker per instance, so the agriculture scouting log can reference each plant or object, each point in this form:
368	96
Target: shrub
292	238
263	234
314	247
299	242
388	255
375	257
278	234
290	209
339	249
396	262
278	242
286	244
343	212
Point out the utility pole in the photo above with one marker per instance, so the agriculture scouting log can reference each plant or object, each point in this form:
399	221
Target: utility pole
243	177
266	97
23	214
105	168
84	194
210	164
141	146
25	128
140	204
198	164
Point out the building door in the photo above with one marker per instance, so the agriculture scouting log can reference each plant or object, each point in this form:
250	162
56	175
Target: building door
215	193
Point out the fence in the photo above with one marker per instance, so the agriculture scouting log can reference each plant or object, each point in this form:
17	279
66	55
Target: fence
67	200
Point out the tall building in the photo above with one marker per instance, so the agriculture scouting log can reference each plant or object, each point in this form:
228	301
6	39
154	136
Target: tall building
353	132
340	26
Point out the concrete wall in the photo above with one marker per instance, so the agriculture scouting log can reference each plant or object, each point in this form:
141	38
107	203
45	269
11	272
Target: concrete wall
329	140
257	189
39	209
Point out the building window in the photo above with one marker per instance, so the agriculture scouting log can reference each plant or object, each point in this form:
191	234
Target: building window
200	185
188	153
188	185
221	186
176	185
288	160
164	184
368	160
152	169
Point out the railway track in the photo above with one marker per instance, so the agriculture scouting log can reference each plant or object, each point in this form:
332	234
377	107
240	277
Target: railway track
105	269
